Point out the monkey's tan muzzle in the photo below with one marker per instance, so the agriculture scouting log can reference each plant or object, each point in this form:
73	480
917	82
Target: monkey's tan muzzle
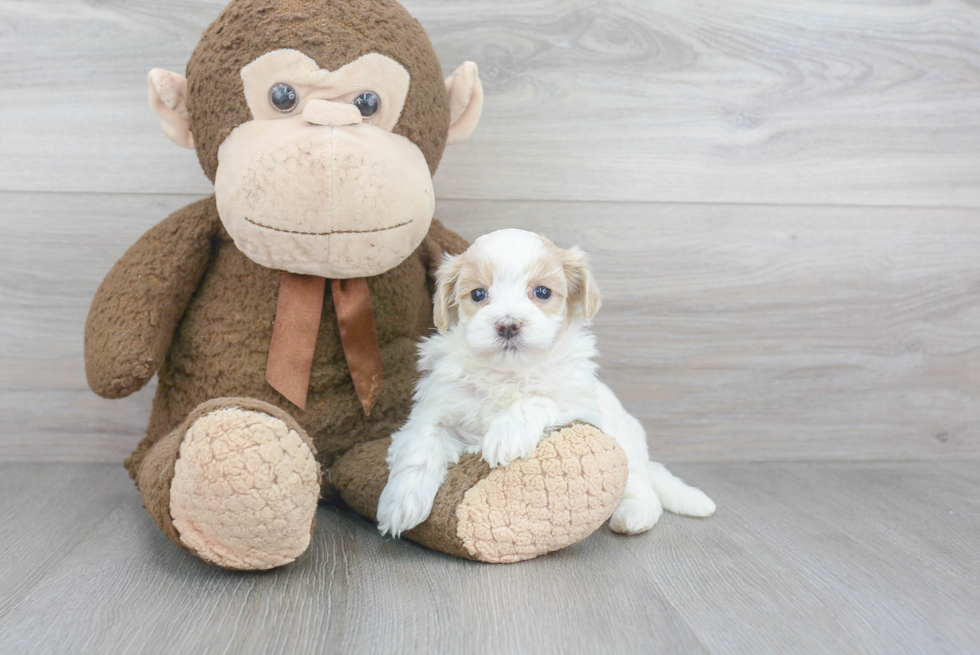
345	200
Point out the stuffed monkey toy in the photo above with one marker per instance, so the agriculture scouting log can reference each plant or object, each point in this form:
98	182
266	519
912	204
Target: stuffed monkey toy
282	313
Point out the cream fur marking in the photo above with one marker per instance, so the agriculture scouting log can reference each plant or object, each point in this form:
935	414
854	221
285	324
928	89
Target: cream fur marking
514	359
245	490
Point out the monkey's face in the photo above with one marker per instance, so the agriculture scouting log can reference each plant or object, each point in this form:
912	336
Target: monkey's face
316	182
321	123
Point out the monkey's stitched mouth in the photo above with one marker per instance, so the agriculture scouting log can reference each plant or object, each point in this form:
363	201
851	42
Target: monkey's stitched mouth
324	234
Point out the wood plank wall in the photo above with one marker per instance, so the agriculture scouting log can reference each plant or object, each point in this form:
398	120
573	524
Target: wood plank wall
781	198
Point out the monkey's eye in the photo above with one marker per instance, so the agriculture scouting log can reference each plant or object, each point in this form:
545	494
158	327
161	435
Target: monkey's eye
368	103
478	295
542	293
283	98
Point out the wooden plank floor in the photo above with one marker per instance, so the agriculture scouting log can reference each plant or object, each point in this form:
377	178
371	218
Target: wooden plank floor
814	558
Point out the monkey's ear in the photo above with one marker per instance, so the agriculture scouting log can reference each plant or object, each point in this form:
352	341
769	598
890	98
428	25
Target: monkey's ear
444	310
168	98
465	102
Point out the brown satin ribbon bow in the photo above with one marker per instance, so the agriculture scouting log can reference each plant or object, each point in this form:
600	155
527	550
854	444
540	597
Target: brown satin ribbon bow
294	336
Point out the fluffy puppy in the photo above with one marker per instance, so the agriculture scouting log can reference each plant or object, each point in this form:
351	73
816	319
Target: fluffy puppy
512	360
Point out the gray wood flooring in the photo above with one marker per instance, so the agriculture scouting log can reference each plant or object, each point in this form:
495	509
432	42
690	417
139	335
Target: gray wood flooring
800	558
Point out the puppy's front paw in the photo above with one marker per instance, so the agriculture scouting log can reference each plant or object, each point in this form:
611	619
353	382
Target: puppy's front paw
405	502
634	515
506	441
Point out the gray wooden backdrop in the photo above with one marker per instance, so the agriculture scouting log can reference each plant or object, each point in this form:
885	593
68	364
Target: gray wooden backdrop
782	200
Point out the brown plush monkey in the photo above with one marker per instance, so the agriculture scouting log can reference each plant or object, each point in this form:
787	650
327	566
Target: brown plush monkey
282	313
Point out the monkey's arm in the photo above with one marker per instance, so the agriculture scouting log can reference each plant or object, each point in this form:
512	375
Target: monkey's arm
137	308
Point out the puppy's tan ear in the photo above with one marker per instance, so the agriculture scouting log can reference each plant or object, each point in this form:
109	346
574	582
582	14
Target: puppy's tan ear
582	288
444	310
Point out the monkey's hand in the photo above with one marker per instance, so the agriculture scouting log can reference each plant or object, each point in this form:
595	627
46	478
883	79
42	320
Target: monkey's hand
137	308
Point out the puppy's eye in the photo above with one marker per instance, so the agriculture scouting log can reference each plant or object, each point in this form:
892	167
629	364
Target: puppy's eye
283	97
478	295
542	293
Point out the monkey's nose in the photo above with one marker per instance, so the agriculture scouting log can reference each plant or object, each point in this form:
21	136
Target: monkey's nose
508	328
331	114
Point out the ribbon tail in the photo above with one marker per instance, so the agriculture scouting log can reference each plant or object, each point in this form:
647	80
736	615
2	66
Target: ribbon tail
294	336
352	302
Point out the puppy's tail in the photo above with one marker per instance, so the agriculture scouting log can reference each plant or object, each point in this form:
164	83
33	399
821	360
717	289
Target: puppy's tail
678	497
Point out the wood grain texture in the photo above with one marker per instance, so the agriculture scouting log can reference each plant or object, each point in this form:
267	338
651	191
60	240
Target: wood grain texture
815	558
752	101
45	517
734	332
832	559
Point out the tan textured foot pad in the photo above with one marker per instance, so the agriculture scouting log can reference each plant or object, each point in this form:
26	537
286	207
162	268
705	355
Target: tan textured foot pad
556	497
245	490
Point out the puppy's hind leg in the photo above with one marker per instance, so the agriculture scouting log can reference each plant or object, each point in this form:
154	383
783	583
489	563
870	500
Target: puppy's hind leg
640	508
677	496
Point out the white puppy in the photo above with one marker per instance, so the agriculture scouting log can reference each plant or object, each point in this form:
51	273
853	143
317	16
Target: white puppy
512	360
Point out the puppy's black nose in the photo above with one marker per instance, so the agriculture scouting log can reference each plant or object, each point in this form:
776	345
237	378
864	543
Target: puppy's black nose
508	328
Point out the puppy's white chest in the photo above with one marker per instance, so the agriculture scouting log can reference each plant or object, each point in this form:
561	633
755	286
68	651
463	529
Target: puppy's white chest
487	402
498	397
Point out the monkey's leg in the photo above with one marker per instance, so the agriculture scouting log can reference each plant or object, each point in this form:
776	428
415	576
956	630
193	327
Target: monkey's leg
556	497
237	485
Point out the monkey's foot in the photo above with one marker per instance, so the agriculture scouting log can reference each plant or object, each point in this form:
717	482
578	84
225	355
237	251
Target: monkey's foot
563	492
244	487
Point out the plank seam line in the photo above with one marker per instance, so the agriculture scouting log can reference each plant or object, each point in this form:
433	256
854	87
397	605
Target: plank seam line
947	459
597	201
